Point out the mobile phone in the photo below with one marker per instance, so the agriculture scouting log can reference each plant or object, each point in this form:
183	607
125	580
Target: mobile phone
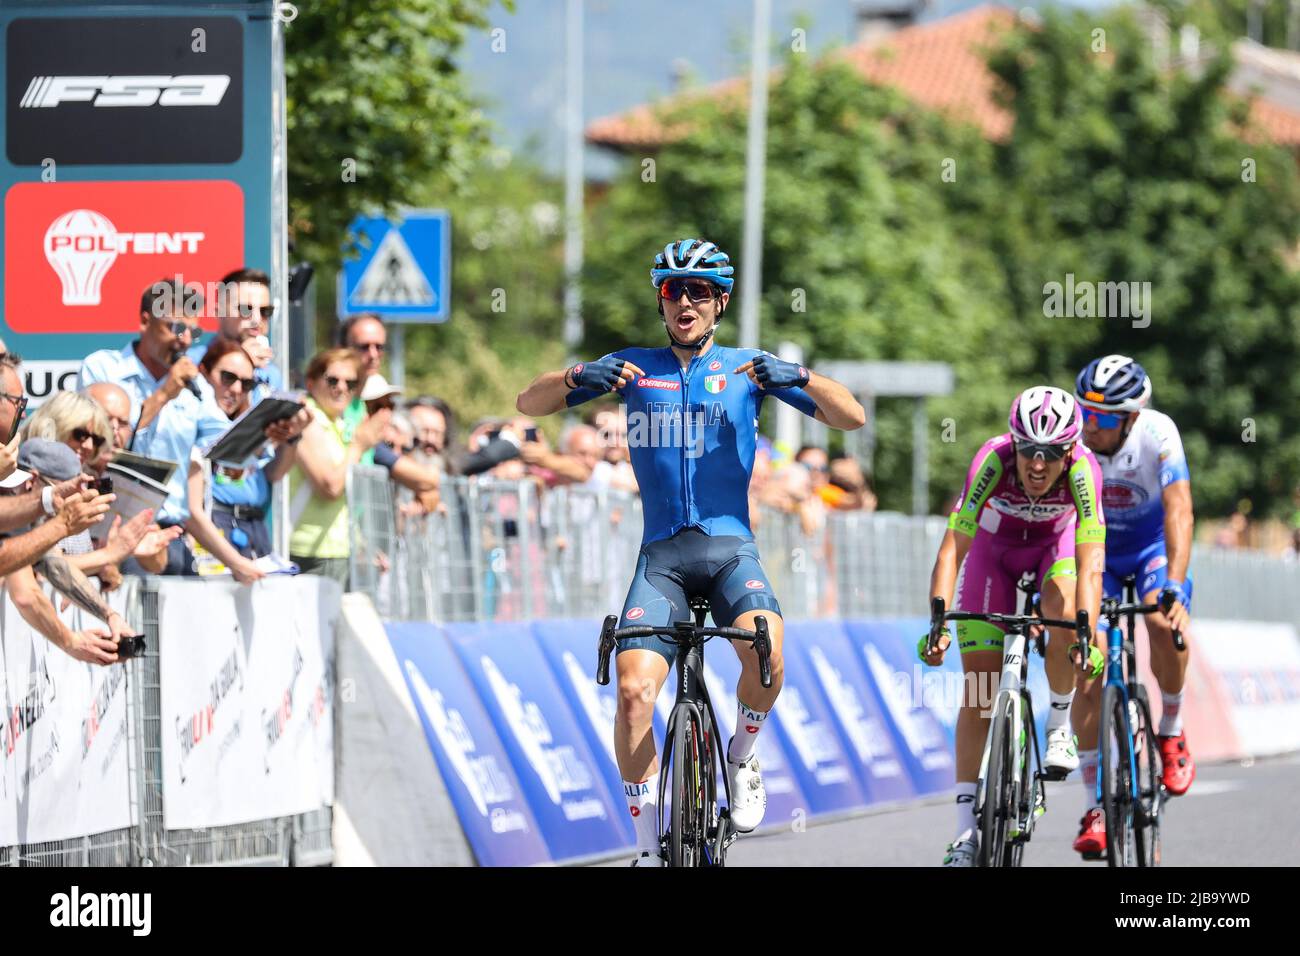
104	485
530	434
132	645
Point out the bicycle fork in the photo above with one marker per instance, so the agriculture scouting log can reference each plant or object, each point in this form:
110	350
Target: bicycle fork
1115	677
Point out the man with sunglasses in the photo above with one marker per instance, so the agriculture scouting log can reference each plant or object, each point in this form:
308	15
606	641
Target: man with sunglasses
692	427
172	410
244	312
1148	498
1031	504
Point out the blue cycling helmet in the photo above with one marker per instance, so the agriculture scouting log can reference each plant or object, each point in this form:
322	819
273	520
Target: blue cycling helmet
692	259
1115	383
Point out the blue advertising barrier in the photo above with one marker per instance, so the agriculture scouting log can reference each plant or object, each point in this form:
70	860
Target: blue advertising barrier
481	782
562	781
824	648
570	647
799	751
888	652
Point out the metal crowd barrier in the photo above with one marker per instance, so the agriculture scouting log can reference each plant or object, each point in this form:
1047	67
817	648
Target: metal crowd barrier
509	551
299	840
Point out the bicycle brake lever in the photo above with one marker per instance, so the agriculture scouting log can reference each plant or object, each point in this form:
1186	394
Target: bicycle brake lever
1083	635
936	624
763	647
1167	605
604	649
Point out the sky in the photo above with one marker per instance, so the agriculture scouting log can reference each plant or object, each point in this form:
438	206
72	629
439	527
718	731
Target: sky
630	50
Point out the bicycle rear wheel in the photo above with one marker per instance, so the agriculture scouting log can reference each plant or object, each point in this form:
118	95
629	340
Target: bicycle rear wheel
1150	794
1026	800
687	835
1117	780
999	795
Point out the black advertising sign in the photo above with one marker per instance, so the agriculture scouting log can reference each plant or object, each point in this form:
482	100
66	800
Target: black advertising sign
128	90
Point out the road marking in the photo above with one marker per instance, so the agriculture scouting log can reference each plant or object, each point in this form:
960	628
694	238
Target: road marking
1211	787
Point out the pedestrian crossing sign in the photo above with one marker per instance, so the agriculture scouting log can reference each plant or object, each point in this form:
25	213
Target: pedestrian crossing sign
400	270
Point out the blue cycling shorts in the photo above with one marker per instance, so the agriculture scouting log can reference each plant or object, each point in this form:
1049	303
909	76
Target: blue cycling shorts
1151	566
723	569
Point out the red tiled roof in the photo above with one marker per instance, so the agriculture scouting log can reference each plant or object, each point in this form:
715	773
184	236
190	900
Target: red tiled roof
940	65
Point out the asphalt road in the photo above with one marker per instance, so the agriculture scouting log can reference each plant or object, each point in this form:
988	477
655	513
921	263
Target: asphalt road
1236	814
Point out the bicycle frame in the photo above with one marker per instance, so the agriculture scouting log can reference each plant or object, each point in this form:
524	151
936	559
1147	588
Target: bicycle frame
1121	652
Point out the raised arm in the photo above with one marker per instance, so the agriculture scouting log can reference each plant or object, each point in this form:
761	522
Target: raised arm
549	392
824	398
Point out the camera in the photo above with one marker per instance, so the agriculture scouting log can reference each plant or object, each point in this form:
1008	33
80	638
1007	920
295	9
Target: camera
530	434
131	645
104	485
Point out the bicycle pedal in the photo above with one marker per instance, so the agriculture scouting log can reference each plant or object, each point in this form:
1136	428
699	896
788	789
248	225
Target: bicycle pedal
1053	774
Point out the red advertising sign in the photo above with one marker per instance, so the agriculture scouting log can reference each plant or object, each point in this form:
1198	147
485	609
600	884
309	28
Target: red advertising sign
78	256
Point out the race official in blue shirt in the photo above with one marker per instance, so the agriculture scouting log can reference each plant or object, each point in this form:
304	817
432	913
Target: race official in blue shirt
692	425
172	411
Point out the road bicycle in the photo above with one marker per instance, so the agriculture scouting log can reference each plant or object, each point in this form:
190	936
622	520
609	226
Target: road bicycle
698	831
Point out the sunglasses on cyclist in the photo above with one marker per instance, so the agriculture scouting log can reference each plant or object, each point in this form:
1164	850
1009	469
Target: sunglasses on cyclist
333	381
1102	419
229	379
697	290
79	435
1032	450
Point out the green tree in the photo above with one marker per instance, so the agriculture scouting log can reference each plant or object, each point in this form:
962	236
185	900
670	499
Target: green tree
375	107
1121	170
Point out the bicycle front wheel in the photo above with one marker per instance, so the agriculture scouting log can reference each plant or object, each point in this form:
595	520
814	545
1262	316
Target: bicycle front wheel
1117	779
999	795
1150	792
687	830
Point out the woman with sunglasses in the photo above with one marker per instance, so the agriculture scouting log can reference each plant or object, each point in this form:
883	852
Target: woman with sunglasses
1031	503
318	482
76	421
240	496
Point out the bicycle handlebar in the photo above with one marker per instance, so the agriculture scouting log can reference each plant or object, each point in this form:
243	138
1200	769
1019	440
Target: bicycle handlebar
611	634
938	617
1112	611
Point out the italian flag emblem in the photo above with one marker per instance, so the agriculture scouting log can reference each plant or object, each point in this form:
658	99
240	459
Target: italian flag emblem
715	383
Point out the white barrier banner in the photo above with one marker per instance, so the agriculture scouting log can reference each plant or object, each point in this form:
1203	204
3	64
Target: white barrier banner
1258	666
64	736
247	695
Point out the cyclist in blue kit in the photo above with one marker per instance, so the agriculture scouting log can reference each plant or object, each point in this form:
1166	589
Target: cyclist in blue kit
692	411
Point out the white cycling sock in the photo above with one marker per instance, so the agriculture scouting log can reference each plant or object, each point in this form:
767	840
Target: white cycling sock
748	724
1059	715
1088	760
1171	714
643	804
965	808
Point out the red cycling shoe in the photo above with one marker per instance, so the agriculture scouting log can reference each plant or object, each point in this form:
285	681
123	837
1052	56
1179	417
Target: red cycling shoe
1091	841
1179	767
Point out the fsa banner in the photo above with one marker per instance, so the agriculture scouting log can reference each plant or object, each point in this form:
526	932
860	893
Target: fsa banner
64	737
247	699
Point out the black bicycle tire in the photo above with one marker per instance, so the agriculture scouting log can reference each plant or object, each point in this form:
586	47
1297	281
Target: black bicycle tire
684	837
1115	745
993	815
1025	796
1150	797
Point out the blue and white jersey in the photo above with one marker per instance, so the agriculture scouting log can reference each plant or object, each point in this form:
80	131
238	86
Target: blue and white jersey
1133	478
691	435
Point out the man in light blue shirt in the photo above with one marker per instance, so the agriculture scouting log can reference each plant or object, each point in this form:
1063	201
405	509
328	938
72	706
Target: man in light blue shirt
172	411
244	311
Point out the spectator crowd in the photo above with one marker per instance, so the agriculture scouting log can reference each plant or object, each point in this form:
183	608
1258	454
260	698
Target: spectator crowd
158	405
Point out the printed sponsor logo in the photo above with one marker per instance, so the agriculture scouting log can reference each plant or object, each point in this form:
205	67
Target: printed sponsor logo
115	91
1155	564
751	729
200	725
99	707
577	369
635	811
715	383
755	585
714	366
75	251
987	474
659	383
635	613
1085	505
24	715
276	719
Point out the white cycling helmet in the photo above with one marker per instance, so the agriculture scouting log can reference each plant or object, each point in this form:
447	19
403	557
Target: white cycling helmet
1045	416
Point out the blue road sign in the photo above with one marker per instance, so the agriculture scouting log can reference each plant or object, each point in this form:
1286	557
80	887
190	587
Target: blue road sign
404	270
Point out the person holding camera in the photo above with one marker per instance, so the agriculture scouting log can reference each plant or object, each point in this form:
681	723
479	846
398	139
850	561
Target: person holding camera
45	463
